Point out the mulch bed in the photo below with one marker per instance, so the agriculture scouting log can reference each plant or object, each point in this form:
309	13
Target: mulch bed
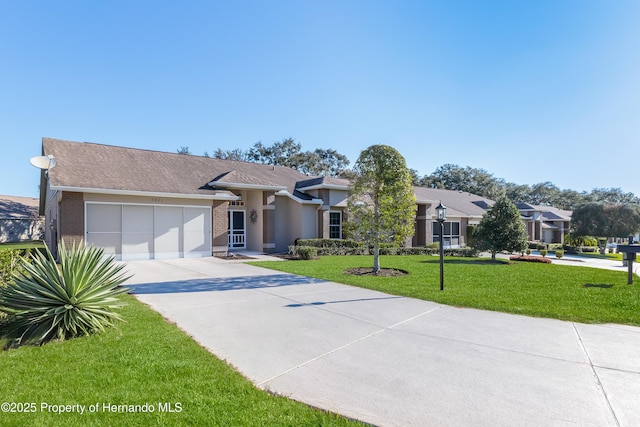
368	271
233	257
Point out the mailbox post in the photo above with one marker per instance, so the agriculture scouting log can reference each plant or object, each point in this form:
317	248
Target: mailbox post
629	254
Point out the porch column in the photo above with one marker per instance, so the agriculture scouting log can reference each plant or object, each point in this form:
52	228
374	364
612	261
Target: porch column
268	221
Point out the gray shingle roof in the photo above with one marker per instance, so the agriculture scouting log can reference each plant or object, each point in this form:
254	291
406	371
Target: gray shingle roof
18	207
457	203
85	165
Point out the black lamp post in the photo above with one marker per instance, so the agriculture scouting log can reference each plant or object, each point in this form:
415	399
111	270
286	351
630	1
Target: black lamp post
441	216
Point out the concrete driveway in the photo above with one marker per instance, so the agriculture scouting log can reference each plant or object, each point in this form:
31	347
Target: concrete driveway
396	361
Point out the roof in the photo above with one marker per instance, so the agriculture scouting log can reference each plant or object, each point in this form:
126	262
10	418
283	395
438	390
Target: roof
86	166
548	212
18	207
457	203
323	182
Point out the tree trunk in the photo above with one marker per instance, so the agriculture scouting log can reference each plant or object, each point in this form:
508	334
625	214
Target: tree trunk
493	256
376	257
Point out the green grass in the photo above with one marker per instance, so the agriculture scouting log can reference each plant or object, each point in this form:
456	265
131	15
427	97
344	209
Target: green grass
578	294
35	244
145	360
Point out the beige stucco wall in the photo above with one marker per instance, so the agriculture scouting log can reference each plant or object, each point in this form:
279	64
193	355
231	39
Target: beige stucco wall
253	201
337	196
309	229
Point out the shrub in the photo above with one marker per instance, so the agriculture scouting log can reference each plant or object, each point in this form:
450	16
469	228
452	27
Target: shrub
527	251
536	245
9	262
559	253
46	302
328	243
526	258
307	252
434	245
543	252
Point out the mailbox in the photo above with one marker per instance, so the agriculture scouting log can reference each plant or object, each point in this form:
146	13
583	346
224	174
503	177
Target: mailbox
629	256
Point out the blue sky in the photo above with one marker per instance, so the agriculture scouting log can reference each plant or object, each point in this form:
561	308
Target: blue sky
531	91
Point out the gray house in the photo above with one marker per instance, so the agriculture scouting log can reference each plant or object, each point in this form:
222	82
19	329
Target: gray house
142	204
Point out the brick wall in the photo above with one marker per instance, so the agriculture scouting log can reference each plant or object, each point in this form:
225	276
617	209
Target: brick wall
71	218
219	227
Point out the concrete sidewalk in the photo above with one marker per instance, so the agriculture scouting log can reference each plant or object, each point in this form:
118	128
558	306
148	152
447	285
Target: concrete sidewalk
397	361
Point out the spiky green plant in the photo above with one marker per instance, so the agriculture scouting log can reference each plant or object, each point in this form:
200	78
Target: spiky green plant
46	301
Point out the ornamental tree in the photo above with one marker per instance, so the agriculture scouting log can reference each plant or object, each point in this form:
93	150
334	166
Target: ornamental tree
382	203
501	229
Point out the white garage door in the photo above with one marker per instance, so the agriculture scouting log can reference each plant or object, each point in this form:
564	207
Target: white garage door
149	231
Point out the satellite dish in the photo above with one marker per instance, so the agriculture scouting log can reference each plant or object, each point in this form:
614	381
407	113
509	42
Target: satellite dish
43	162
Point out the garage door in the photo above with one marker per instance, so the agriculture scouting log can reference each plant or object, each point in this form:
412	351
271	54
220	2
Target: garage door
149	231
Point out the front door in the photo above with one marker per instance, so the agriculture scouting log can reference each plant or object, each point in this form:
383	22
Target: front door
236	230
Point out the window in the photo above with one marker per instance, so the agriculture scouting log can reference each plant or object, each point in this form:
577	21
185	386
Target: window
335	225
451	234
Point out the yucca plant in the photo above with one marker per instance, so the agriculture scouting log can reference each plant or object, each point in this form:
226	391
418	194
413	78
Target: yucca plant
46	301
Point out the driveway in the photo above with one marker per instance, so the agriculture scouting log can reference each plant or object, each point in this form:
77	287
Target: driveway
397	361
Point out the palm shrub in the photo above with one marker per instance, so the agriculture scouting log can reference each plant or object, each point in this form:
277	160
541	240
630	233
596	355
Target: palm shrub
45	301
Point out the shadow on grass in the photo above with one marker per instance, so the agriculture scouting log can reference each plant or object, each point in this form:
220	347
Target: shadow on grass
599	285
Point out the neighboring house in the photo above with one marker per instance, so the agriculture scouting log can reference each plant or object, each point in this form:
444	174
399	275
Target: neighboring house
19	219
545	223
463	209
141	204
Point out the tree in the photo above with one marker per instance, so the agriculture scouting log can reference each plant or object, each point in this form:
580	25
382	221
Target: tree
281	153
588	220
612	196
543	193
234	154
501	229
623	219
321	162
183	150
382	203
467	179
601	220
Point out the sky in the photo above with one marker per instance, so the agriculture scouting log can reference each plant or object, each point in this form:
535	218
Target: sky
530	91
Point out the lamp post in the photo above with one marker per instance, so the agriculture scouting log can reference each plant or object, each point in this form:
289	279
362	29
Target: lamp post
441	216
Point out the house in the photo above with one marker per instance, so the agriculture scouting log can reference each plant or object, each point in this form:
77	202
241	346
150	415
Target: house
141	204
463	209
545	223
19	220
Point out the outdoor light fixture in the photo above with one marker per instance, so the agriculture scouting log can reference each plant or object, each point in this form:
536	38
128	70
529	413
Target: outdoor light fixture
441	216
441	212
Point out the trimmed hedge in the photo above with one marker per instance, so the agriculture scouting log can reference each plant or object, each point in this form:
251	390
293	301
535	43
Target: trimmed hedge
295	250
328	243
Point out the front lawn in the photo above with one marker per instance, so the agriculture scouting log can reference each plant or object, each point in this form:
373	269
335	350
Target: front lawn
578	294
145	362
